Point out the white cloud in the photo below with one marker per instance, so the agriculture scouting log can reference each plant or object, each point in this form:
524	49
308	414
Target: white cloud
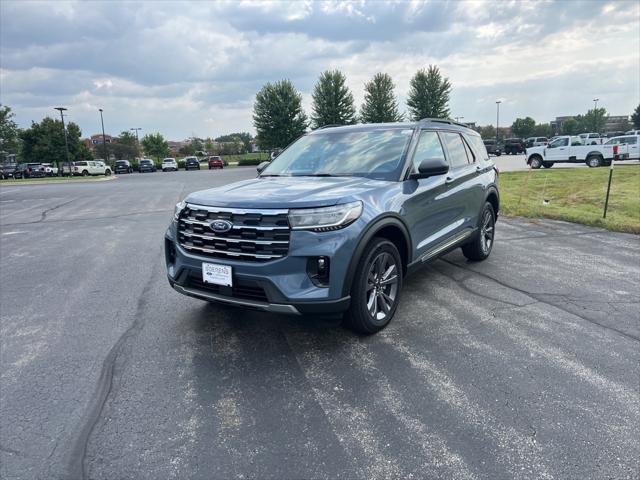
194	68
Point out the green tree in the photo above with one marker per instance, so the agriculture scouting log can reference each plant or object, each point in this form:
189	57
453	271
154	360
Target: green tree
278	115
594	120
543	130
123	147
9	132
571	127
332	101
245	137
487	132
380	103
44	142
155	146
635	118
429	94
523	127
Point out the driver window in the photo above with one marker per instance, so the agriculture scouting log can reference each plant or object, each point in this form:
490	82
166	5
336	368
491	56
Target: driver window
429	146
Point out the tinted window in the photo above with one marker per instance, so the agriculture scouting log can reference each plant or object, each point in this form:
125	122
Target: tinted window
456	150
429	146
478	147
630	140
559	142
470	155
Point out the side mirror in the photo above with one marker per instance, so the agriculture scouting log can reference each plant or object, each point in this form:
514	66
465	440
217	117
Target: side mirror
430	167
262	166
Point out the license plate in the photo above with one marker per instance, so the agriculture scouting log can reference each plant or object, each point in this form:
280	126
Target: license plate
218	274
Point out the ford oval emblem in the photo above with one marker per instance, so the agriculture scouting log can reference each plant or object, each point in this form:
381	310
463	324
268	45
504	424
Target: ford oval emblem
221	226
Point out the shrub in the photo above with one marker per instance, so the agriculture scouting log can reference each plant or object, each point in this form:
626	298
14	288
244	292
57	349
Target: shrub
249	161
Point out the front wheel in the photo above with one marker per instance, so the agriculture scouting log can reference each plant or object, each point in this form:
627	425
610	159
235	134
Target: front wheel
85	173
480	247
535	162
375	294
107	173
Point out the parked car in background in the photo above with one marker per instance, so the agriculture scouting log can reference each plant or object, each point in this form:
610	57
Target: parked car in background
146	165
66	169
191	163
591	138
28	170
169	165
492	147
50	170
337	220
614	134
536	142
123	166
632	132
569	149
6	170
628	147
215	162
92	167
513	146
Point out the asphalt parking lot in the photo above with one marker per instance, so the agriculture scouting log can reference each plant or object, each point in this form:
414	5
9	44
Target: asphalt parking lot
524	366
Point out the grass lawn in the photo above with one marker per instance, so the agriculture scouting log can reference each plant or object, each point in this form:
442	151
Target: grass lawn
32	181
575	195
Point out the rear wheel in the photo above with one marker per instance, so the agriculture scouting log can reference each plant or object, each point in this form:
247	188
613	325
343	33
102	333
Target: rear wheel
375	293
480	247
107	172
85	173
594	161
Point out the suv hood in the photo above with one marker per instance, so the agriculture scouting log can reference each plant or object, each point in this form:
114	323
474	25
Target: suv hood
286	192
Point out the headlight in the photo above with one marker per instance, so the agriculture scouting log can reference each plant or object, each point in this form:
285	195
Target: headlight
326	218
179	207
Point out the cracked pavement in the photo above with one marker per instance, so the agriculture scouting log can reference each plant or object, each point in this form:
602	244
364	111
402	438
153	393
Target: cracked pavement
524	366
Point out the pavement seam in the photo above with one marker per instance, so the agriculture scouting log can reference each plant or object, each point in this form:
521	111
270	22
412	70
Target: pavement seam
539	297
76	467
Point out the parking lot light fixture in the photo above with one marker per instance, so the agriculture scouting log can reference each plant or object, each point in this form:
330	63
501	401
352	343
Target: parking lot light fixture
595	103
136	129
66	143
104	140
498	102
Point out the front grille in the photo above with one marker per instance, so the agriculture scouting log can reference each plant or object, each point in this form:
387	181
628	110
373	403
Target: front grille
256	236
247	291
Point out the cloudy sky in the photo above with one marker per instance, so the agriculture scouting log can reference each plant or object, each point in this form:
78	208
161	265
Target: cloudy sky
187	69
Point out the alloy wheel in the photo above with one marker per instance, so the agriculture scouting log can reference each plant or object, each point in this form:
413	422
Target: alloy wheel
486	232
382	286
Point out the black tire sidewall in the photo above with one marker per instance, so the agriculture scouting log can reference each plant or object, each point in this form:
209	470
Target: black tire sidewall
359	314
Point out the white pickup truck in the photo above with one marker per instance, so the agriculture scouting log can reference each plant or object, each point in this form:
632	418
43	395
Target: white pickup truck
569	149
628	147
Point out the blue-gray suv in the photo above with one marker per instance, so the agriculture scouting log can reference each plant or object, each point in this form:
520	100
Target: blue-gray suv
337	221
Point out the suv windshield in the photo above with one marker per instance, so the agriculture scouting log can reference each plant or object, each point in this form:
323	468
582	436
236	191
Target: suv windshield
375	154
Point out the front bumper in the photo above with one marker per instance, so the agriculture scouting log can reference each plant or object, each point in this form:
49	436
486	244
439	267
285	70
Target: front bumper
282	285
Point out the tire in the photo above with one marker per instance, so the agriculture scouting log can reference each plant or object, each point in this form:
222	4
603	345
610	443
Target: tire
535	161
107	173
373	303
547	164
594	161
479	248
85	173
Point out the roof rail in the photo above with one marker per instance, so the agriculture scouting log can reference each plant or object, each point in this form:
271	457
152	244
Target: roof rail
443	120
328	126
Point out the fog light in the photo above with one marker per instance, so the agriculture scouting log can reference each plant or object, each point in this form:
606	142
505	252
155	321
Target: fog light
318	271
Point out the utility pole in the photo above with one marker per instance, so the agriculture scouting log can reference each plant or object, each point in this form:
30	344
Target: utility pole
104	140
66	142
498	102
137	139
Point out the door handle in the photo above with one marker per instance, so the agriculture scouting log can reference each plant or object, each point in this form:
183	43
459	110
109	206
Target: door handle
479	168
449	179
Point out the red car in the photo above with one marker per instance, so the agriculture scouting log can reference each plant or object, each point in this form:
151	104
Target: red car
215	162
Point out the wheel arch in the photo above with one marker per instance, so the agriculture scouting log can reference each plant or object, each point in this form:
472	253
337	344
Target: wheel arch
493	197
391	227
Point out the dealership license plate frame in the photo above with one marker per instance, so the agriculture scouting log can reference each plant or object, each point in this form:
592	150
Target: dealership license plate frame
217	274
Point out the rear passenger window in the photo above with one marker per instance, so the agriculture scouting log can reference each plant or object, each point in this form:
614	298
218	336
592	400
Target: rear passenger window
477	146
631	140
455	148
429	146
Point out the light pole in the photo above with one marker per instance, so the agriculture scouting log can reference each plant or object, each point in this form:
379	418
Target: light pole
66	143
104	140
459	118
498	102
137	140
595	103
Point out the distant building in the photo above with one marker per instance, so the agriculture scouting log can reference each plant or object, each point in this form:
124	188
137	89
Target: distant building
616	123
95	140
175	147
